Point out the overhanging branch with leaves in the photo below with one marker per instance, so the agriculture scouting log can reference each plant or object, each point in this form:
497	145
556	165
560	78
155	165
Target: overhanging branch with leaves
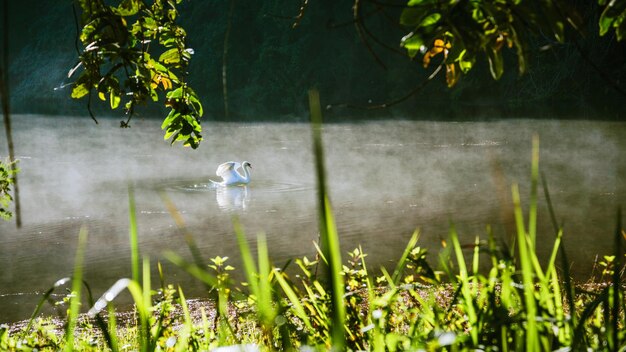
133	53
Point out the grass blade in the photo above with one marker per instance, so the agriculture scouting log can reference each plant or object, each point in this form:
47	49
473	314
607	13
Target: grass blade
42	301
534	177
328	230
144	315
182	227
546	194
532	337
567	278
296	305
246	257
77	283
112	329
266	311
134	237
397	272
147	284
192	269
183	337
551	269
465	286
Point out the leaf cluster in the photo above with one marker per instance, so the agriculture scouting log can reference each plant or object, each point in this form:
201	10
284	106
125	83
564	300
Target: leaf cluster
613	16
463	30
136	52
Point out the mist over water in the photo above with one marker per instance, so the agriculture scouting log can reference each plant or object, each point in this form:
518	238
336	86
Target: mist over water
386	179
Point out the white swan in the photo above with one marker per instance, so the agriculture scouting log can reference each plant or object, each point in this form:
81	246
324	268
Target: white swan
229	174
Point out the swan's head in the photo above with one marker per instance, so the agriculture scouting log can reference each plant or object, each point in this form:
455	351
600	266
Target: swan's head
246	163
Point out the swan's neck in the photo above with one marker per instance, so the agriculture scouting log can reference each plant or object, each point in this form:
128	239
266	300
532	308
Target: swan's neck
246	174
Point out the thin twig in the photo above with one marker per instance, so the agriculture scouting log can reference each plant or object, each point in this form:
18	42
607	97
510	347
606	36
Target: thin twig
380	42
358	23
93	117
393	102
300	14
76	39
352	20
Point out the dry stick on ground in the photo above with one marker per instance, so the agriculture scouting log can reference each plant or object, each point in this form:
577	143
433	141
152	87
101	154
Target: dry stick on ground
6	111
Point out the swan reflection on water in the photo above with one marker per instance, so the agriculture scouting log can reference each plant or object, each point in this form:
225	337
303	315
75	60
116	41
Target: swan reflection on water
232	197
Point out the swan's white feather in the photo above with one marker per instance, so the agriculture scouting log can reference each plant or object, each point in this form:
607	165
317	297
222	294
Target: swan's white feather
227	167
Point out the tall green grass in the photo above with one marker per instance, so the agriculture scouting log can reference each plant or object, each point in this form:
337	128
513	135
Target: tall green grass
489	298
328	230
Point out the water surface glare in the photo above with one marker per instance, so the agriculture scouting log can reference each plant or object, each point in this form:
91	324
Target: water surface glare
386	179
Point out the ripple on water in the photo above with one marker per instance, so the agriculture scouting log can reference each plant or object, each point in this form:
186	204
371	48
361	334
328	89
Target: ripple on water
263	193
256	186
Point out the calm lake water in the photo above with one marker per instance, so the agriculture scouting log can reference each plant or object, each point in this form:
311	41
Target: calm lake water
386	179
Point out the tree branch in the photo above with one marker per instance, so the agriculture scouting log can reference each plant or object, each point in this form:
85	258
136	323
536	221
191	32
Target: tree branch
358	23
392	102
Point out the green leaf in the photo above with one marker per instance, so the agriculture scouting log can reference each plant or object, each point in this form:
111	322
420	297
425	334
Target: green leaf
88	29
465	65
417	2
170	57
114	98
605	23
127	8
171	117
169	133
466	61
430	20
195	103
613	15
414	42
79	91
175	94
620	27
193	123
157	66
521	52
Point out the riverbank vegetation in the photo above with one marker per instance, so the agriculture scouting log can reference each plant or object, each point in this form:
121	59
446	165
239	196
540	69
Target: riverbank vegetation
479	296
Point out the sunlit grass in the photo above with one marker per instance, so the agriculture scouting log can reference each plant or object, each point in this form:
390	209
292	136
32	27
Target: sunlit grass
490	298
